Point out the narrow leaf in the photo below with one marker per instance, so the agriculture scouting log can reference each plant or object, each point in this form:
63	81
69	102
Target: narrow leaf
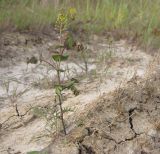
58	89
58	57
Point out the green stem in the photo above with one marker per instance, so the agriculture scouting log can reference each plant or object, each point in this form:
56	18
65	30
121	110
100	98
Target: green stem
58	65
60	104
85	61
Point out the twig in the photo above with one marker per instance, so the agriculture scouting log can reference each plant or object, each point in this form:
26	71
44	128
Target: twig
49	64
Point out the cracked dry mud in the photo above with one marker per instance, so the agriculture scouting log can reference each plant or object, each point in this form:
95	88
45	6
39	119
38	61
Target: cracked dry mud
135	127
117	111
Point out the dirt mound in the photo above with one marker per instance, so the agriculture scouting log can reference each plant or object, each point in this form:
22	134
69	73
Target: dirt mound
127	121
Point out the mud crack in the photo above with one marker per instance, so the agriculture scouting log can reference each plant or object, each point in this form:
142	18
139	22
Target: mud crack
84	148
130	112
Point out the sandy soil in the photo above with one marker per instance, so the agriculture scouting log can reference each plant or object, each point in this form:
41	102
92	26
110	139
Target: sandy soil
107	72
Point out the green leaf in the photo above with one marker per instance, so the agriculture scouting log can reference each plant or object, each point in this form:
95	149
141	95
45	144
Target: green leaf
67	109
69	42
58	57
58	89
69	85
33	152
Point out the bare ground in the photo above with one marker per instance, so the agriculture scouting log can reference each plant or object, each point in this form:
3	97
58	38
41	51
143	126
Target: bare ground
117	111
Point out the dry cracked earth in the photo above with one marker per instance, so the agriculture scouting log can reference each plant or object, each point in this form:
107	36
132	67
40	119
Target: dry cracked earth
116	112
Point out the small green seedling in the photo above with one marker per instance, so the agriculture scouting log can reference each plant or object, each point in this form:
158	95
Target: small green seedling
62	23
54	114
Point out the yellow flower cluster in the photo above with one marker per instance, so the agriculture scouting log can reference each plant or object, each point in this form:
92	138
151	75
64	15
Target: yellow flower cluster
72	12
63	19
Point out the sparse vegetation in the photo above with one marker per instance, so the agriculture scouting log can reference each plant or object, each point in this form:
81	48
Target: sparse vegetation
64	19
62	22
138	19
13	95
90	43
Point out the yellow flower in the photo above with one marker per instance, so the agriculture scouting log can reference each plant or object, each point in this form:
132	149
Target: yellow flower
72	13
61	21
61	18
